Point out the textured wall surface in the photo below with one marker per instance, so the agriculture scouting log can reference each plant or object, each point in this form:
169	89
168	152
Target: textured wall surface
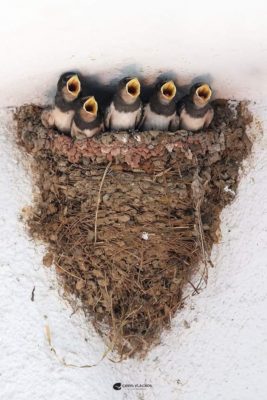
219	352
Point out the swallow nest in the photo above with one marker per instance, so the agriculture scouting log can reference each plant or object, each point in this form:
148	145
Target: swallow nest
129	219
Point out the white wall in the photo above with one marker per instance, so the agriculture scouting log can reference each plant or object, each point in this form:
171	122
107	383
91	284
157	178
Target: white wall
222	354
225	41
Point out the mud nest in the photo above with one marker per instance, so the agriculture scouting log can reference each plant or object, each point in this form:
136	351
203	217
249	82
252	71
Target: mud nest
128	219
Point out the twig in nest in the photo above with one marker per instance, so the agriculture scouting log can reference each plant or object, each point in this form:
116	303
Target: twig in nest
161	173
99	198
67	272
198	195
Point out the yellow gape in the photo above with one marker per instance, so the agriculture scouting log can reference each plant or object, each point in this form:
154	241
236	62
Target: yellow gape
204	92
91	106
133	87
168	90
74	85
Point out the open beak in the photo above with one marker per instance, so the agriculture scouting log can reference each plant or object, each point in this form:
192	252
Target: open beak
91	106
74	85
204	92
168	90
133	87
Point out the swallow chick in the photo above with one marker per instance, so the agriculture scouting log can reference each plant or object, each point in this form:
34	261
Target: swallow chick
125	110
194	110
61	114
87	120
160	112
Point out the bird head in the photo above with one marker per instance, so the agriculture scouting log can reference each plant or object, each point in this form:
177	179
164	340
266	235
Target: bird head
129	89
201	94
90	106
166	91
69	85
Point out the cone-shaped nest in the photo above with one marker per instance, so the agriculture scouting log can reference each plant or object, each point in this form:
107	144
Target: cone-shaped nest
125	217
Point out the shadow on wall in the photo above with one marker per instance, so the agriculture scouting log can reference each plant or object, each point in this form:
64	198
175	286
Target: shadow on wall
93	84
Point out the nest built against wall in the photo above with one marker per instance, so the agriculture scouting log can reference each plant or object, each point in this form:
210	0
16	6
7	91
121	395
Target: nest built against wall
128	218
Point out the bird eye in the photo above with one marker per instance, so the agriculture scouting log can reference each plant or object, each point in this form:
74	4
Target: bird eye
67	77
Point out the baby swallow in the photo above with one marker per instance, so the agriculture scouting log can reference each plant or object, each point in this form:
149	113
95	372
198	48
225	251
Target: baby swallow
160	112
194	109
61	114
87	120
125	110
